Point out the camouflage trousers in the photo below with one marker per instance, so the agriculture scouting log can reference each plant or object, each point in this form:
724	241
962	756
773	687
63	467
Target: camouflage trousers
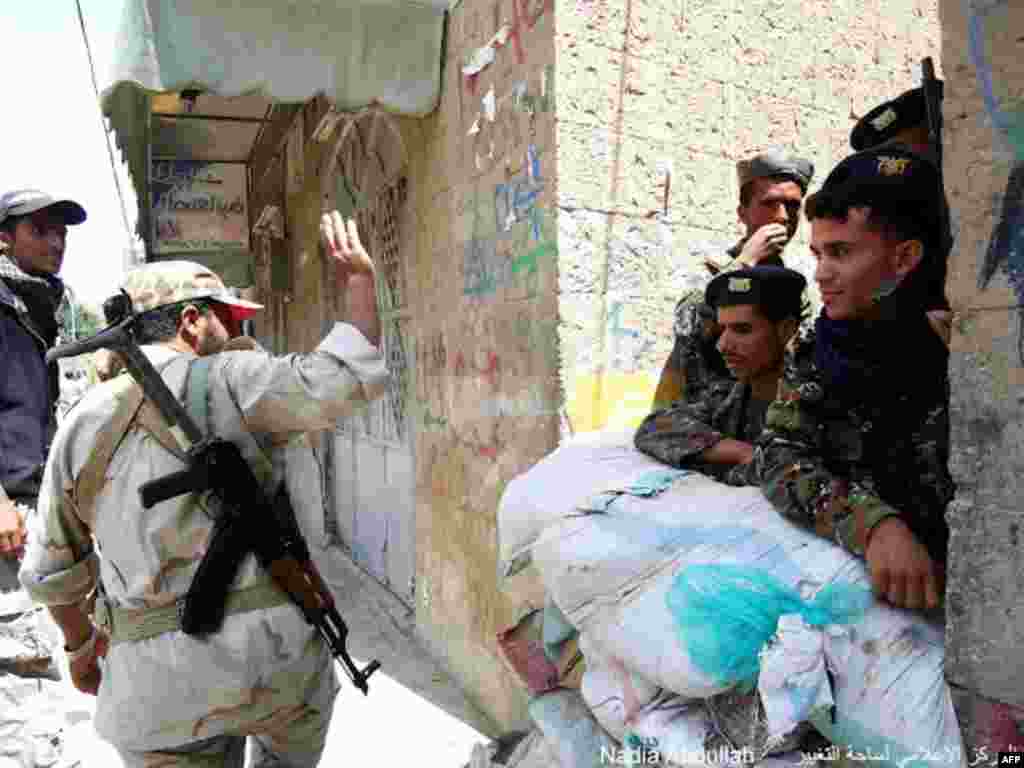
298	744
33	714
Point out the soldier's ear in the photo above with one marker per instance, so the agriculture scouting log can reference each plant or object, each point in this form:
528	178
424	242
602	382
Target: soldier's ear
787	329
189	316
904	257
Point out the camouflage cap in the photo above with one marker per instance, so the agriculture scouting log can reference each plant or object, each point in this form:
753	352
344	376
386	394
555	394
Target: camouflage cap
775	162
161	283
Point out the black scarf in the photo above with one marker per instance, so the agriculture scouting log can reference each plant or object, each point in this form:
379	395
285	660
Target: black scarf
41	296
877	362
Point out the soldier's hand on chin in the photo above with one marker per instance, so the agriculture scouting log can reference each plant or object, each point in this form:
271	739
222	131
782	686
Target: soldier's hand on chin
767	241
902	572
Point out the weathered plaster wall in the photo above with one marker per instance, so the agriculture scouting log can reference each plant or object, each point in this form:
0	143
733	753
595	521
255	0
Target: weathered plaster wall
983	54
483	295
657	101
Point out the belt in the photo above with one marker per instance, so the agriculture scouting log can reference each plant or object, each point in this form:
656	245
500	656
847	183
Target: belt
130	625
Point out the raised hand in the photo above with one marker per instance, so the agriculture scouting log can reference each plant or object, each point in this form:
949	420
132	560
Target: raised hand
343	247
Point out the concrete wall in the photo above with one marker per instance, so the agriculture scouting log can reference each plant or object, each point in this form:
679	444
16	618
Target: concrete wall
984	166
656	102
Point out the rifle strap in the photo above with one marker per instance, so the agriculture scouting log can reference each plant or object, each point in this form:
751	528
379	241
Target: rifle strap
133	409
93	475
197	393
197	402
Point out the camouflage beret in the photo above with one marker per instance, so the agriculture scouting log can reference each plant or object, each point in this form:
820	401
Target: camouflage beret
886	120
775	162
777	289
162	283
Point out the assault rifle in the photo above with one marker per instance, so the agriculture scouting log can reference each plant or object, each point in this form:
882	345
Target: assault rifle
932	89
246	519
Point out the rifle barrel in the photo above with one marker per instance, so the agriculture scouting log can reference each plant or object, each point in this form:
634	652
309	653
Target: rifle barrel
118	338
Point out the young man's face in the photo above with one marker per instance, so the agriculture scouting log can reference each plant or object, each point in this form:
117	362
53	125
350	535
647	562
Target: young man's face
772	202
37	243
854	263
751	344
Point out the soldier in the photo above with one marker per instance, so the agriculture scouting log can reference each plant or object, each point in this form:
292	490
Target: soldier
758	310
772	186
856	446
164	697
903	122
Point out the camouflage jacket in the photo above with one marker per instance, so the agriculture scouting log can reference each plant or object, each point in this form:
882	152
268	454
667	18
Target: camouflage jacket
840	470
679	434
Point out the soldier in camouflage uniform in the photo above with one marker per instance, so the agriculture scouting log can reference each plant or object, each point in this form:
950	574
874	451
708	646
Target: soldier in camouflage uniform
772	186
166	698
758	310
857	444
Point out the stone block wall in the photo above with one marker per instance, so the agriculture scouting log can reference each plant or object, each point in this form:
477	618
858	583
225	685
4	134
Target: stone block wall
657	101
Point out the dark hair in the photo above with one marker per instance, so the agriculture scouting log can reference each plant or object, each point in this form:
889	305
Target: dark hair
9	224
161	324
895	220
899	221
747	190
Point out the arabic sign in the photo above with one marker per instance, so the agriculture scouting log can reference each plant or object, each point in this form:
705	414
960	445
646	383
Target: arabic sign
198	206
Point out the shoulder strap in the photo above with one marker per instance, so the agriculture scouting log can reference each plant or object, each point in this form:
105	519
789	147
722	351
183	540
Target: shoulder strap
197	392
132	410
93	474
197	402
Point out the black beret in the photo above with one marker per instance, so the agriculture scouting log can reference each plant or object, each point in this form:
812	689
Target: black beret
886	178
776	289
886	120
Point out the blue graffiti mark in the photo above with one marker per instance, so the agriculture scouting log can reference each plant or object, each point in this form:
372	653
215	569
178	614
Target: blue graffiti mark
1006	248
1009	124
615	322
517	201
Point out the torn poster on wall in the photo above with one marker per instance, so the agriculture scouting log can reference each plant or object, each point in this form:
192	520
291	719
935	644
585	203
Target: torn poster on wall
198	206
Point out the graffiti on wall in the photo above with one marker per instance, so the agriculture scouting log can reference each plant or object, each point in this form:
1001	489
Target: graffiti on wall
1005	249
510	248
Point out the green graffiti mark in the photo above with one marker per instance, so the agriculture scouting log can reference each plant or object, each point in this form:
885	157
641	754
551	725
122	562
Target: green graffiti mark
528	261
426	418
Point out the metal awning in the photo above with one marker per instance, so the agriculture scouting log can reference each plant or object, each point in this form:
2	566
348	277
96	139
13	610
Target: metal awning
355	52
237	61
